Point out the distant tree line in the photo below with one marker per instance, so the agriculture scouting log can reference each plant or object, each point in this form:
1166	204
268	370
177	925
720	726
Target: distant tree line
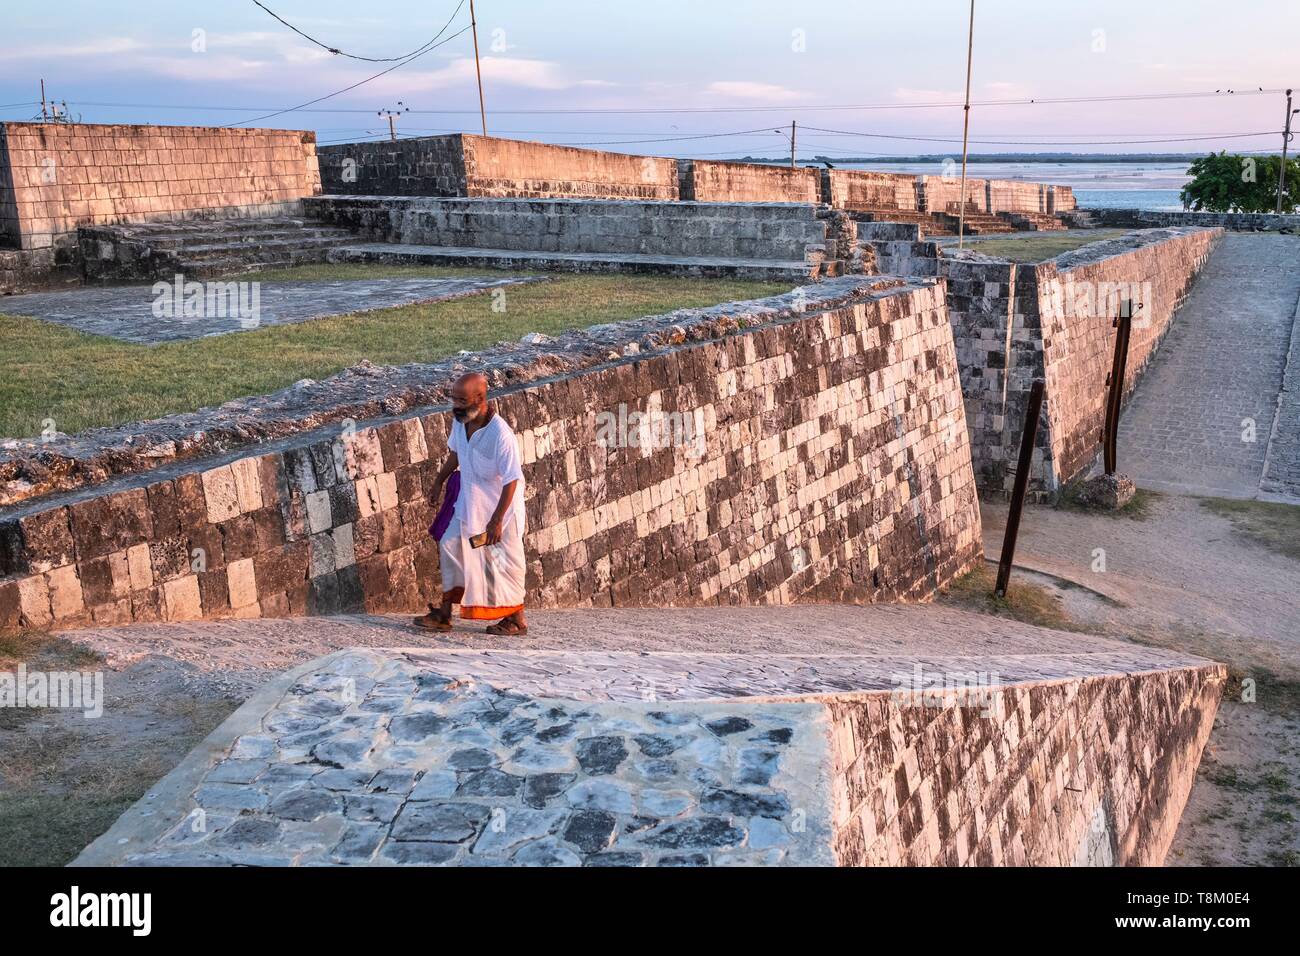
1225	182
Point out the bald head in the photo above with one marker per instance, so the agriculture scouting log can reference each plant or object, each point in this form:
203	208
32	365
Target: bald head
469	398
471	385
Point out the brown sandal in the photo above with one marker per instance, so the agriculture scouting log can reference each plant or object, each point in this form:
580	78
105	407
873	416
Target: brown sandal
508	628
433	621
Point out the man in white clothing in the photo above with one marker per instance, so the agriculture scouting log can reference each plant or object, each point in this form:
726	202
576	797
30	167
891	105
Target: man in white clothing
482	550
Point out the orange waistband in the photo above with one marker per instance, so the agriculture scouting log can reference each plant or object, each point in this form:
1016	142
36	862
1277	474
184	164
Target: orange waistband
470	613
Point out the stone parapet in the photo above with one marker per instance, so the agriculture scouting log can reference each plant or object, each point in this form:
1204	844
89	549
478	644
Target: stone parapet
807	447
779	231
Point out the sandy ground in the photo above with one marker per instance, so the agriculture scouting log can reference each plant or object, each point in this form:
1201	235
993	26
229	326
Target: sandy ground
1185	578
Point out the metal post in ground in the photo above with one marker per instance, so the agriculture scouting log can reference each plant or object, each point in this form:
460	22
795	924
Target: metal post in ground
1027	439
1118	366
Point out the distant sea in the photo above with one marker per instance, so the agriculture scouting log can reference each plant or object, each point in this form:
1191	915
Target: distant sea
1153	186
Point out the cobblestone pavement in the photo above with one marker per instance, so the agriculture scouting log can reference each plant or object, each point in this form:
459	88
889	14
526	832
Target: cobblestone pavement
1218	375
468	757
128	312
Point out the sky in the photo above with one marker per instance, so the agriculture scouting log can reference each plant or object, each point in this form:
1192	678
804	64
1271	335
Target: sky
671	77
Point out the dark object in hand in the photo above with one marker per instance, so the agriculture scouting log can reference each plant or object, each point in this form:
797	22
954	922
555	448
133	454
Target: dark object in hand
478	540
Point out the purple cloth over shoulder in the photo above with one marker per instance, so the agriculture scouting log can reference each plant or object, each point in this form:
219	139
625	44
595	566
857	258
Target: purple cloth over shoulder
449	495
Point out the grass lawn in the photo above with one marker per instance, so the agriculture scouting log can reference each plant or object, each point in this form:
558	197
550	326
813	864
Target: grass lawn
1041	248
1024	601
1273	525
83	381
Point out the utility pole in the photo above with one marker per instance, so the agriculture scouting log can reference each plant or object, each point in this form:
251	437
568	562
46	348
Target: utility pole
392	115
792	134
965	129
44	115
473	24
1286	138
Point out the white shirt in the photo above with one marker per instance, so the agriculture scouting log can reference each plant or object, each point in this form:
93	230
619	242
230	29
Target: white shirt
489	460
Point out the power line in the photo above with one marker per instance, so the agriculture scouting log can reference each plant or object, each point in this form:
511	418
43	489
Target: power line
786	108
336	50
668	139
994	142
428	47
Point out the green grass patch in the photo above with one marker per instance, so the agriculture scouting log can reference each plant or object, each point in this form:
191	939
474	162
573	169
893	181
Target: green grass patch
29	645
1274	525
1138	508
1024	602
43	830
1041	248
63	787
85	381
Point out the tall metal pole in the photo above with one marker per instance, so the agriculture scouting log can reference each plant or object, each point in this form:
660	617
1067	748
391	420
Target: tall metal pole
473	23
1286	136
43	113
1123	324
1027	438
792	134
965	128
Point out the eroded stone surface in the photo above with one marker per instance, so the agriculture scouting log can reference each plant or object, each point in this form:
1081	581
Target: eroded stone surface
360	794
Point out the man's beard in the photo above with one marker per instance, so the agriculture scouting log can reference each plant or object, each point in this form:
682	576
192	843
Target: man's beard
462	414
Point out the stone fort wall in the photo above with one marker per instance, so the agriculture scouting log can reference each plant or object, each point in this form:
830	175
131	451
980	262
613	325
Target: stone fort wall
1093	771
809	447
462	164
714	181
860	188
1016	322
783	231
465	165
55	177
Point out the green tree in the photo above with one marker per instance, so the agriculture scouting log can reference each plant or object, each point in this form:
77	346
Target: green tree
1223	182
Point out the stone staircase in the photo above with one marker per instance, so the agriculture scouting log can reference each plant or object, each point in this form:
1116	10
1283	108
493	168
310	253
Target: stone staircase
1081	219
204	248
978	223
930	225
1033	221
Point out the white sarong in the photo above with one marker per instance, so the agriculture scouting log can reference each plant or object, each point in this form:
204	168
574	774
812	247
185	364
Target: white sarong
492	576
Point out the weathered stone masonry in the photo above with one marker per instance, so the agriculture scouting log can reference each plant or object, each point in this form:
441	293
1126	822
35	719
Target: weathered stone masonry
462	164
834	466
1014	322
1091	771
56	177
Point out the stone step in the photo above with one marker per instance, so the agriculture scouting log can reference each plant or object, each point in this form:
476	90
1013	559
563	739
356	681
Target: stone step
232	224
273	250
235	265
705	266
215	238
